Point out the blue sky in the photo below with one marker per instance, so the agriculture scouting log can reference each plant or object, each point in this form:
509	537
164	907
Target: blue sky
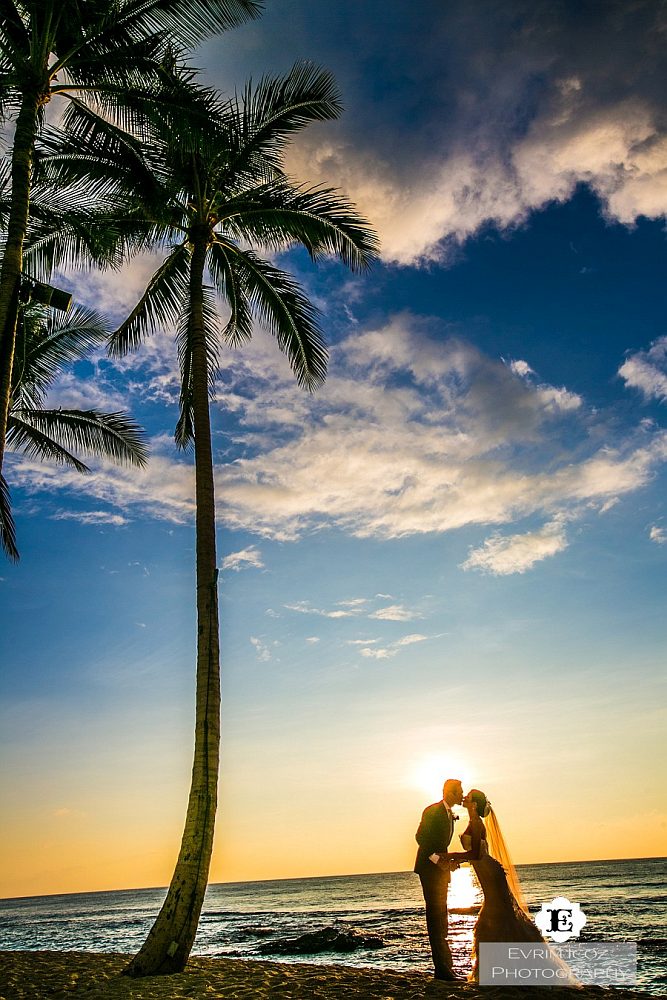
452	557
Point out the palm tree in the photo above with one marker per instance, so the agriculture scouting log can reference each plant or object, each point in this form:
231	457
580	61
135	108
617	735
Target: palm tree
47	343
219	190
107	49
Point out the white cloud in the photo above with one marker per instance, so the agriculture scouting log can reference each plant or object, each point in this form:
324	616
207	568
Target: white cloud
164	489
426	202
312	639
250	557
410	435
658	535
392	648
261	648
378	654
409	640
72	392
521	368
505	554
647	370
395	613
90	517
305	608
114	293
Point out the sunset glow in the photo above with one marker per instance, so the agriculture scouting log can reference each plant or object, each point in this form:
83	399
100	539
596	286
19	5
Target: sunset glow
450	559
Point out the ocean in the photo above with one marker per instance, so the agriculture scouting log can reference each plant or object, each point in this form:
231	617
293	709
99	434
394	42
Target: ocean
622	900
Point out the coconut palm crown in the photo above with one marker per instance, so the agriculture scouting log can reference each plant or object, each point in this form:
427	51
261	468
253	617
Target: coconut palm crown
47	344
108	50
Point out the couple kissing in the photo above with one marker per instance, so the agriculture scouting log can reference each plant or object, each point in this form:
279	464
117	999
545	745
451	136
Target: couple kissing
504	914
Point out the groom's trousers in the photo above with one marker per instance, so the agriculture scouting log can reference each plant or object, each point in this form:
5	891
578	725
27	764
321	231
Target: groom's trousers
434	886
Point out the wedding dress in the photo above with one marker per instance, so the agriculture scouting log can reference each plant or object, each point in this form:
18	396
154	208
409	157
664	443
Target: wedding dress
504	915
501	917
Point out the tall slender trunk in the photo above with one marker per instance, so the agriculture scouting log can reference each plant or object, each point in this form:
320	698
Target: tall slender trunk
170	940
12	257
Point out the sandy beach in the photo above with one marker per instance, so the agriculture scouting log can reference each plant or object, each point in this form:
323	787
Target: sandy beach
38	974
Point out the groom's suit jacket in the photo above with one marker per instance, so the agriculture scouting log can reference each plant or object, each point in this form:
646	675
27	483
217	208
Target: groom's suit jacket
433	836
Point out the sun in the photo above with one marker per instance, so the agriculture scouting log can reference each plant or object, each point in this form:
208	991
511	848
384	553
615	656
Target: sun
429	774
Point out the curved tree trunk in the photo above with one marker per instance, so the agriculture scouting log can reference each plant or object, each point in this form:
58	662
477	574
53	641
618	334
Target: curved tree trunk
12	257
170	940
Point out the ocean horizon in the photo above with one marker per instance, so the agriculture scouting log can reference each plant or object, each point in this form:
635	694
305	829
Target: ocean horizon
307	878
380	913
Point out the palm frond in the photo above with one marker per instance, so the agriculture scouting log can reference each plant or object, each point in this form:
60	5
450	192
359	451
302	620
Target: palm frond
162	304
14	36
184	434
22	436
269	114
7	527
90	147
47	341
187	22
56	434
279	214
279	302
230	287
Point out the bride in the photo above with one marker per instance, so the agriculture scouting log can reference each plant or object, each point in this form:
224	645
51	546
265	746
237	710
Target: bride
504	915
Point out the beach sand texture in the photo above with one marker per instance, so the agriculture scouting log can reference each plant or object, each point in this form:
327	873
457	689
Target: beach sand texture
34	975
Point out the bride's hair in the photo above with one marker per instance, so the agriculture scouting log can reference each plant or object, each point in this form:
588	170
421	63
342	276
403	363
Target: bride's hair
498	850
479	798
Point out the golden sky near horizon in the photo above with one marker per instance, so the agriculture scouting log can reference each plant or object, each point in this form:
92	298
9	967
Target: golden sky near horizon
288	824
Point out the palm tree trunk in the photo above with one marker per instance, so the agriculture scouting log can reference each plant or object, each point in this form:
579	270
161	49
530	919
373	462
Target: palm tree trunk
170	940
12	258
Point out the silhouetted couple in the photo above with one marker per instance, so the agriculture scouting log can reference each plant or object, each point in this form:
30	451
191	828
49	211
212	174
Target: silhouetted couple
504	915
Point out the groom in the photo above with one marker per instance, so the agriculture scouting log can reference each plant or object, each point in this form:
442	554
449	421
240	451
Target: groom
433	836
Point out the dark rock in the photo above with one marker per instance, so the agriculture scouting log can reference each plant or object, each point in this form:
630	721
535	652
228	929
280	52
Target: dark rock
257	931
316	942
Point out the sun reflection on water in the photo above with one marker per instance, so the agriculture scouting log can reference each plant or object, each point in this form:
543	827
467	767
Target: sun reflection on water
464	891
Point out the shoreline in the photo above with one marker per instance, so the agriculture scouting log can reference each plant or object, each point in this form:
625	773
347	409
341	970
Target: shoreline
35	975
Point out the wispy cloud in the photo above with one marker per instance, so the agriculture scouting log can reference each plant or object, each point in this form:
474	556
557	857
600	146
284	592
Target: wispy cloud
658	535
505	554
412	434
393	648
356	608
73	392
395	613
462	440
164	489
306	608
90	517
243	559
382	653
647	371
261	648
